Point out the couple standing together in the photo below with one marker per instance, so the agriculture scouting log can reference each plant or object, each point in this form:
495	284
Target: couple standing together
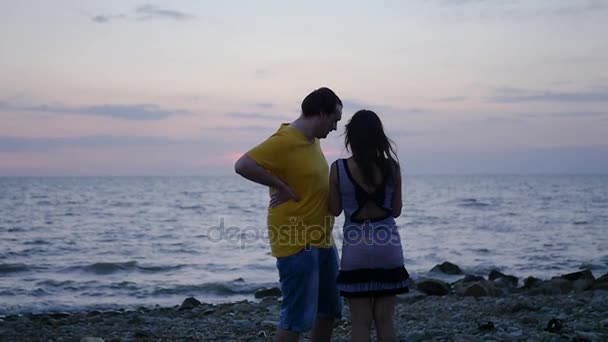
305	196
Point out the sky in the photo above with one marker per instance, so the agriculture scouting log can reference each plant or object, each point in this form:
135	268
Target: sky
123	88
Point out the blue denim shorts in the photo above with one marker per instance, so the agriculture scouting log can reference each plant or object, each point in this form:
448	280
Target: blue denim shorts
308	283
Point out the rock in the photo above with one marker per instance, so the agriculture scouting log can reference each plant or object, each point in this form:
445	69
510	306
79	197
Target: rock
447	268
585	274
531	282
410	297
189	303
600	286
142	334
265	302
469	278
243	323
554	286
270	323
602	279
465	338
583	284
135	320
91	339
513	332
59	315
433	287
489	325
504	283
508	280
587	336
478	289
554	325
262	333
563	285
271	292
521	307
415	336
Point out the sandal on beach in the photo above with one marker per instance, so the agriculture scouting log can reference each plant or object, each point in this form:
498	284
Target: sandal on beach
554	325
487	326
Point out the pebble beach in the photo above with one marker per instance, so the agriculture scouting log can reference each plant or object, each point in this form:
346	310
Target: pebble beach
499	307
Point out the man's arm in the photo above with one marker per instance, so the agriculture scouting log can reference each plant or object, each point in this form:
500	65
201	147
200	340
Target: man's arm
248	168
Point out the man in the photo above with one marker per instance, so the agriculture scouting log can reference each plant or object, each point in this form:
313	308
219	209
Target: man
292	164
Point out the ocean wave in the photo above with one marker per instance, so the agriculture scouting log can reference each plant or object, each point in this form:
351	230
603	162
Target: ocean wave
234	287
37	242
472	203
65	284
13	268
128	266
191	207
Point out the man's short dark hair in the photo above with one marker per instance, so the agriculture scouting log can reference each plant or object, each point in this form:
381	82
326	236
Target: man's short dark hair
322	100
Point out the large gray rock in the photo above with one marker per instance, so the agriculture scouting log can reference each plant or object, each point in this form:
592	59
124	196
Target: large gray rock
603	279
190	303
585	274
447	268
481	288
503	279
531	282
554	286
469	278
600	286
583	284
433	287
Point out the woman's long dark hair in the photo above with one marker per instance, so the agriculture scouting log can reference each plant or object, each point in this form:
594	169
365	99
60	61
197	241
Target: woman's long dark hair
366	140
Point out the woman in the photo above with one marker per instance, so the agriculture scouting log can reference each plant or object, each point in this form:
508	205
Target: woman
367	186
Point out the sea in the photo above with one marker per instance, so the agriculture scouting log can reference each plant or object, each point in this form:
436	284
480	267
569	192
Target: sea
87	243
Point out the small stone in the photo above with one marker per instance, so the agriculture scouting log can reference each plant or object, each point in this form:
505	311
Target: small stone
135	320
243	323
416	336
587	336
91	339
270	323
141	334
59	315
270	292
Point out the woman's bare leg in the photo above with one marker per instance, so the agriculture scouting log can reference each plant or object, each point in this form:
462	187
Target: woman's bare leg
361	317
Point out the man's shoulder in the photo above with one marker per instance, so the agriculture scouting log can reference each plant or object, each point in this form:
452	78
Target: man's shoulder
283	135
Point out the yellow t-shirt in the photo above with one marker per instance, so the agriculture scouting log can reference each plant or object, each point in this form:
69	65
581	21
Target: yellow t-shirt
292	225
